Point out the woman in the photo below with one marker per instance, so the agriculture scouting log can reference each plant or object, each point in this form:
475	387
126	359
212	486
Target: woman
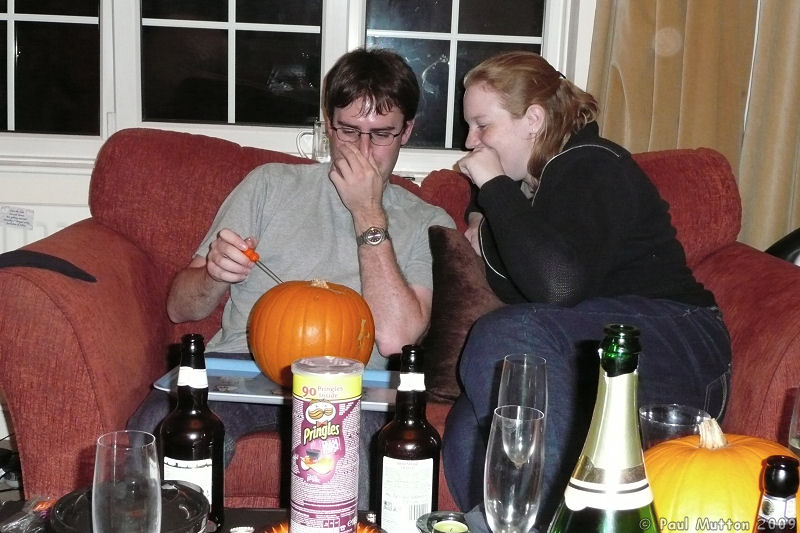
575	236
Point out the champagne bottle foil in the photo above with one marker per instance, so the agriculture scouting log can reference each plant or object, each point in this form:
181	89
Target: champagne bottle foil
326	418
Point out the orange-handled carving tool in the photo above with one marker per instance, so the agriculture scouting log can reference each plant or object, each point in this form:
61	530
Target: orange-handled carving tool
253	256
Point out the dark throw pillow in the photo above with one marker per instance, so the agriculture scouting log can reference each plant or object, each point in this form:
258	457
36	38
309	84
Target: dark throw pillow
461	295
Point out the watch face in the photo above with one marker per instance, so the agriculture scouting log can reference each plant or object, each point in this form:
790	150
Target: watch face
374	235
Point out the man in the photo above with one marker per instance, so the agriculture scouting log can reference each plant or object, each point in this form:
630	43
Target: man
342	222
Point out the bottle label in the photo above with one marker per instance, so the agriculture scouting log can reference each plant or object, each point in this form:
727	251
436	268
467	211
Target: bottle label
581	494
196	378
405	493
411	381
326	414
197	472
775	508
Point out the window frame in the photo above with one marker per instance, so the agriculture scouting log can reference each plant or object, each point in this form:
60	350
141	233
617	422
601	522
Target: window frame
565	43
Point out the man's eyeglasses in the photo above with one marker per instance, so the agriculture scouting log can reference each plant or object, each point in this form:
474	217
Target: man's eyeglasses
378	138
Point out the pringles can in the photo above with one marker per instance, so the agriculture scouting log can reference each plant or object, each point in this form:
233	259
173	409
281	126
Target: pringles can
326	421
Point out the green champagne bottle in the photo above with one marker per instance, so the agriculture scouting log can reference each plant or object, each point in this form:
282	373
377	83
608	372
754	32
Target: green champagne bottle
608	491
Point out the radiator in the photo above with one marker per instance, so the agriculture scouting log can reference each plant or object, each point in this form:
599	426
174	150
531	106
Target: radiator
21	224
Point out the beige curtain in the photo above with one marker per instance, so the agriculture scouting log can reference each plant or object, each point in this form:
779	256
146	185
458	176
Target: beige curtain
769	168
677	74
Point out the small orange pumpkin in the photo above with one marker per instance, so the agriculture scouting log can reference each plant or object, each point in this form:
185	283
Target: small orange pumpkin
700	482
297	319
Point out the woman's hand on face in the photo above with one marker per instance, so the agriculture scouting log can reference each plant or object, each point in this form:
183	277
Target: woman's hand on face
472	232
481	165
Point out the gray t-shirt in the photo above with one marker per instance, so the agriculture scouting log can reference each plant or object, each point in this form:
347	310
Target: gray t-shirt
305	232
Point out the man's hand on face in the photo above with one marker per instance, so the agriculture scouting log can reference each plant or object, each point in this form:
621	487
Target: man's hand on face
357	180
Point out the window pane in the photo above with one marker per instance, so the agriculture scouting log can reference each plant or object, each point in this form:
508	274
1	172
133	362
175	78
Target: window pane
469	55
501	17
184	74
84	8
3	83
57	87
277	77
216	10
409	15
429	60
306	12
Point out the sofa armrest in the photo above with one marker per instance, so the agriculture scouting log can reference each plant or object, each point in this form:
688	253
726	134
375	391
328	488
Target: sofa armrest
76	357
758	295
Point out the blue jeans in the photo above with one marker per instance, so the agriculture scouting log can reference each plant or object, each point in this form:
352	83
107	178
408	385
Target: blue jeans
241	419
685	359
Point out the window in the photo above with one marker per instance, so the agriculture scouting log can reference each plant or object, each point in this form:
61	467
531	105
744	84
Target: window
245	70
257	64
52	87
442	41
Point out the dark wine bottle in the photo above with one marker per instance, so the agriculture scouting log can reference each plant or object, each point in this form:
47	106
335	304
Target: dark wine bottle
777	511
408	449
191	436
608	490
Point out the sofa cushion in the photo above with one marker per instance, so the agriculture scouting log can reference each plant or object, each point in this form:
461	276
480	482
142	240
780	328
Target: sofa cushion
184	177
449	190
461	295
700	188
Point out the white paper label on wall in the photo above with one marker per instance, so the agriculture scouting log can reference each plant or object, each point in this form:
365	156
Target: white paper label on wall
16	217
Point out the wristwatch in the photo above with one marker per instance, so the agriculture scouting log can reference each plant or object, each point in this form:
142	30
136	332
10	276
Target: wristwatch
373	236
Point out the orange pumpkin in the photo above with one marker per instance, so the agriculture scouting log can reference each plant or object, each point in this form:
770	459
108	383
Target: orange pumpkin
283	527
701	482
297	319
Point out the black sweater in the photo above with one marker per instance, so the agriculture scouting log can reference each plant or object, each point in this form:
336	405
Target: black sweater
596	227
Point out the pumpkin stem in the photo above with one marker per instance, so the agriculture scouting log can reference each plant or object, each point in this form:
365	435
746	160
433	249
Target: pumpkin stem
711	435
319	283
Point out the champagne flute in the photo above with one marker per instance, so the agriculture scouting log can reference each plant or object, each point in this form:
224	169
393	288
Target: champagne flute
513	469
523	381
126	493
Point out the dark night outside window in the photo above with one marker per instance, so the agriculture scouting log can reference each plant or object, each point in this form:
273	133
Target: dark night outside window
430	56
271	77
57	87
185	71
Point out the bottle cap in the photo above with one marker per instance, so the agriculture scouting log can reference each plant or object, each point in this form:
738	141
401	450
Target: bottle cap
411	360
192	351
781	476
619	350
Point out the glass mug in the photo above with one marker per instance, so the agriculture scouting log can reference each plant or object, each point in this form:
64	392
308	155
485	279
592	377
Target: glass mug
320	148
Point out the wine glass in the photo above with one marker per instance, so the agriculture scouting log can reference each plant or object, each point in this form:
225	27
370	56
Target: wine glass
523	381
126	493
513	469
666	421
794	426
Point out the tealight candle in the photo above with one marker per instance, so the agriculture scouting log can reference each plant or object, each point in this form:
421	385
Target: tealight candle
450	526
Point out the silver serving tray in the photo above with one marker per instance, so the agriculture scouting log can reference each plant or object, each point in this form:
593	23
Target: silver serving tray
238	380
